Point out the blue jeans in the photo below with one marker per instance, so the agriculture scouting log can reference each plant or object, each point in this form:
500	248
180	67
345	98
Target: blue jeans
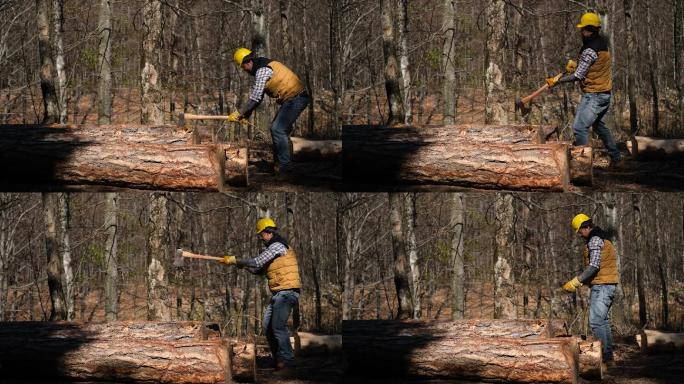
601	297
592	113
275	324
282	126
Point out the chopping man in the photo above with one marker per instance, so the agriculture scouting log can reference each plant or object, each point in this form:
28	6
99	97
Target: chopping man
279	82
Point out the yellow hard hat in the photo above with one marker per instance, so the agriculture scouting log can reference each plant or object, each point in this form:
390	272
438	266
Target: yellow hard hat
240	55
578	220
590	18
263	223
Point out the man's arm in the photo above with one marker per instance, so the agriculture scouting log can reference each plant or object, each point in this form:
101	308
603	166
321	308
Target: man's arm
262	76
256	264
595	247
586	60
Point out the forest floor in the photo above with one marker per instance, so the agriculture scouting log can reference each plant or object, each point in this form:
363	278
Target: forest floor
632	367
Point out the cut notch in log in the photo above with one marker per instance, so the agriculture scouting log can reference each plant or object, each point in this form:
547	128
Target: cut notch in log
123	351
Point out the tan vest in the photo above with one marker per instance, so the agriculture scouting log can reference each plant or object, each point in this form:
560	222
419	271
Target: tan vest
608	273
283	272
283	84
600	76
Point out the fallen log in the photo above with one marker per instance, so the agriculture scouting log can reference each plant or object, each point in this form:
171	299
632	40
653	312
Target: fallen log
648	148
590	367
59	158
307	150
121	352
650	340
141	134
436	156
410	349
582	165
310	344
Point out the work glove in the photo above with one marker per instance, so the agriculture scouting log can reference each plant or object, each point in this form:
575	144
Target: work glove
229	260
572	285
571	66
234	117
551	81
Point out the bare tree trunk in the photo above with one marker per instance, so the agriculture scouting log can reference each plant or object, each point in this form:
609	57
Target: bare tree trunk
678	34
260	47
111	260
314	269
412	250
54	267
401	282
47	65
662	265
104	65
152	108
652	71
456	250
631	68
402	30
284	8
495	87
392	67
449	61
65	255
637	200
308	66
58	51
504	292
157	283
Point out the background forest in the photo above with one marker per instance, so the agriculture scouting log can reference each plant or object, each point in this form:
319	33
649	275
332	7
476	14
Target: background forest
362	256
437	61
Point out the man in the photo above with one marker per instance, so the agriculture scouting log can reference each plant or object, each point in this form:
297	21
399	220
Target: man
595	76
279	262
601	275
280	83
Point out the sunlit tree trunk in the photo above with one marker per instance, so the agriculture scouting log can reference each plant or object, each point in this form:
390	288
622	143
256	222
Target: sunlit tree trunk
284	8
392	67
58	51
631	68
104	63
652	70
456	256
111	259
158	251
152	110
401	281
54	264
402	30
449	60
68	282
637	200
412	250
504	289
662	265
495	87
47	64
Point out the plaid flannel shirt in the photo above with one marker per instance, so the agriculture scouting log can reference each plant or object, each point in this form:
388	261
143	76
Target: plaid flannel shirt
586	60
267	255
595	246
262	76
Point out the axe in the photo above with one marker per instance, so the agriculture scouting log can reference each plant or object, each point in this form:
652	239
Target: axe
181	255
524	104
182	117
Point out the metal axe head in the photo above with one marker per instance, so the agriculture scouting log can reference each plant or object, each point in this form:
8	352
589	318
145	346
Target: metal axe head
181	119
179	261
520	106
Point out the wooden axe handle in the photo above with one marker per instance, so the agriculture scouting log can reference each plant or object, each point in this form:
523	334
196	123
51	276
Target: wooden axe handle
196	256
534	94
190	116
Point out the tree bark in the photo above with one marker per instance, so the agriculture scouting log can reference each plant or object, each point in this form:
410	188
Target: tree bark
590	358
456	256
104	64
401	281
58	51
416	349
504	282
147	159
652	71
65	256
54	268
305	149
449	61
631	68
412	251
152	108
662	266
123	352
111	260
495	87
392	71
438	156
158	296
637	200
402	32
47	64
678	49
